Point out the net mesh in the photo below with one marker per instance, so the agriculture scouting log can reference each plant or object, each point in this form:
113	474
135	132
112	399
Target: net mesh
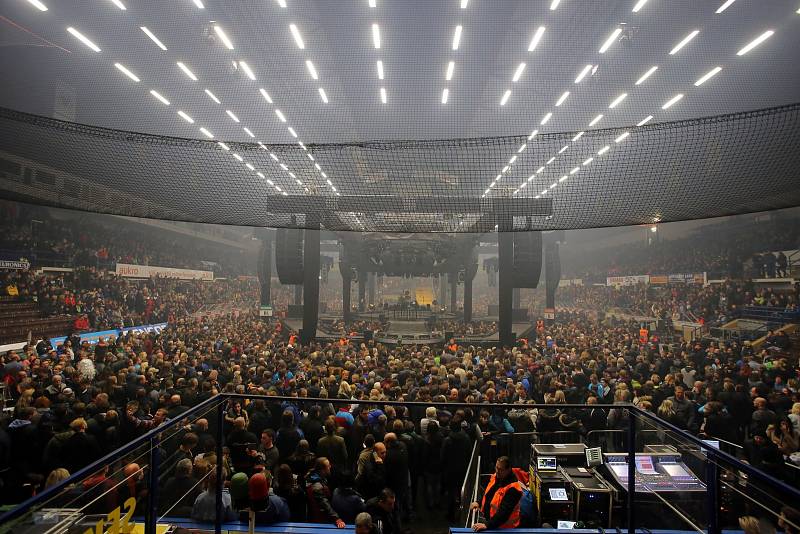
714	166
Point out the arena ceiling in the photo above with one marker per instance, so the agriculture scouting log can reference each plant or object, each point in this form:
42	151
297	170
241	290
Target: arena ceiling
405	115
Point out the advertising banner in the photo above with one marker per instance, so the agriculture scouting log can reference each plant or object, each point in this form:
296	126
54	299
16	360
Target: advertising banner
627	280
128	270
659	279
570	282
687	278
15	264
94	337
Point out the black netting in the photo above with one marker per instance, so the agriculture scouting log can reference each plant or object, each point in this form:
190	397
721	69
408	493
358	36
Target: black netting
707	167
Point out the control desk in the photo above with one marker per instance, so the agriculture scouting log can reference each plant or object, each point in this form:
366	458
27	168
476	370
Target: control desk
655	473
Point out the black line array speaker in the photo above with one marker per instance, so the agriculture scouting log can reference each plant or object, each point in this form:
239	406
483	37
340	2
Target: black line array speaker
527	259
289	255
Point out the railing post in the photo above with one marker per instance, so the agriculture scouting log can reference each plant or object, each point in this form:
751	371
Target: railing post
151	516
712	498
220	482
631	472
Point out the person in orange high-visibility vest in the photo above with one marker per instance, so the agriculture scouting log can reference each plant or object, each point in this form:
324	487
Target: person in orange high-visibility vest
500	504
643	335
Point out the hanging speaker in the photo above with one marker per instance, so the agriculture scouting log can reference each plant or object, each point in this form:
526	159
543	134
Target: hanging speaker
289	255
527	266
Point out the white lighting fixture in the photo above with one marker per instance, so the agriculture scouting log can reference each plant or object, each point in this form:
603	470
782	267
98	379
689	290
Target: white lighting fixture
518	72
603	150
212	96
265	94
248	132
583	73
562	98
223	37
380	69
533	134
546	118
755	42
310	157
622	137
563	148
126	72
554	4
537	36
464	4
250	166
596	120
574	170
617	100
457	37
186	117
282	3
505	169
707	76
199	4
544	192
311	69
512	160
318	167
237	156
373	3
383	95
538	171
247	70
280	115
119	4
522	148
684	42
82	38
376	36
672	101
273	156
553	185
551	160
647	74
38	5
505	97
153	37
284	167
291	131
449	74
578	136
322	95
445	93
186	71
297	37
588	161
160	97
611	40
724	6
231	115
639	5
223	145
644	120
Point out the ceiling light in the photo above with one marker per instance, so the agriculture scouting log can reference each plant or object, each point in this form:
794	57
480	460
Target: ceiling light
554	4
119	4
505	170
562	98
318	167
280	115
199	4
757	41
573	171
538	171
588	161
578	136
324	175
310	157
449	74
724	6
621	137
265	94
445	92
153	37
551	160
596	120
291	131
212	96
603	150
464	4
223	145
544	192
311	69
223	37
262	146
250	166
537	36
583	73
231	115
546	118
563	148
247	70
186	71
611	39
380	69
159	97
518	72
647	74
644	120
684	42
533	134
282	3
248	132
322	95
373	3
186	117
376	36
457	37
273	156
82	38
617	100
383	95
38	5
512	160
707	76
639	5
553	185
237	156
284	167
672	100
126	72
522	148
505	97
297	37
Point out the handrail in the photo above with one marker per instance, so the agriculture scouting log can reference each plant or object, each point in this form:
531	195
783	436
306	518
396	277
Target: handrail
472	457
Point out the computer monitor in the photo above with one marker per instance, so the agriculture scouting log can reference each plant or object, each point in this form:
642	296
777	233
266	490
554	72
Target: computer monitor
594	456
546	463
565	525
558	494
